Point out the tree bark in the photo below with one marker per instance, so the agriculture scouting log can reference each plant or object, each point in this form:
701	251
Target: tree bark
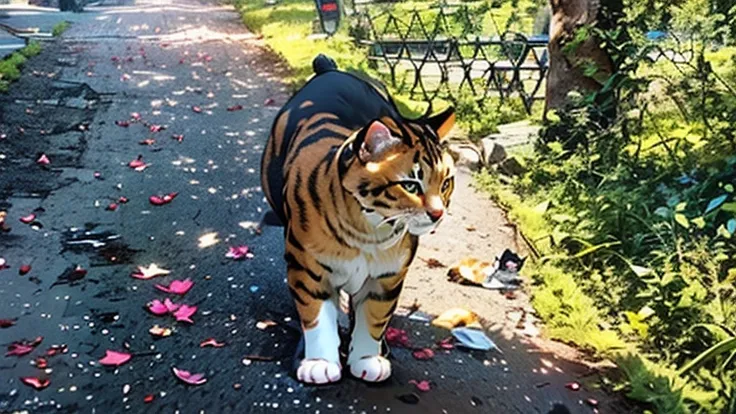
567	64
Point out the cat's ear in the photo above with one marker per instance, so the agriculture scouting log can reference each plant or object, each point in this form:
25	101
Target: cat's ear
374	142
442	122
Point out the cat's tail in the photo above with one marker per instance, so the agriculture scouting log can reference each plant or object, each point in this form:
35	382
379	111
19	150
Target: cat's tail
323	63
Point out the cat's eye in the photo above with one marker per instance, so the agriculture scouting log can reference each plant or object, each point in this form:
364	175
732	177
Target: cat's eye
410	187
446	184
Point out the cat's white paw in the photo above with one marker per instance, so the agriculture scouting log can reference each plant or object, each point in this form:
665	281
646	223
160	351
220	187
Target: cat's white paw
319	371
371	368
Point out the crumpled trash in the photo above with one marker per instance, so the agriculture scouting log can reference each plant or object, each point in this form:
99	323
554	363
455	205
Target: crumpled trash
503	274
455	317
473	339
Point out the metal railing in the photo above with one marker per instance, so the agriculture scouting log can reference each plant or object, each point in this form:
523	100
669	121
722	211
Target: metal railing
447	51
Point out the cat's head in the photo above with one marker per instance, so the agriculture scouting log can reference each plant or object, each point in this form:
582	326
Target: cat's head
401	173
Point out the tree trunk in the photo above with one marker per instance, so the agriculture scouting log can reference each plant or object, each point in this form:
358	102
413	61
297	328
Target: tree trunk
571	56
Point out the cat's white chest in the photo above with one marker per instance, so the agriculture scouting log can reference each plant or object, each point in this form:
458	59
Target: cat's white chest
350	275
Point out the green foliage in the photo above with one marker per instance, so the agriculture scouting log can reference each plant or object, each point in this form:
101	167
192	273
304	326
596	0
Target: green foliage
637	233
60	28
10	67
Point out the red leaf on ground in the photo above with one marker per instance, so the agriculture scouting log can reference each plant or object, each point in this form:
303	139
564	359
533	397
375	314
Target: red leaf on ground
138	164
114	358
239	252
421	385
159	201
188	377
123	124
397	337
211	342
122	200
178	287
24	269
20	348
41	363
111	207
6	323
235	108
28	219
179	137
43	160
79	271
423	354
196	109
35	382
184	313
446	343
148	398
17	349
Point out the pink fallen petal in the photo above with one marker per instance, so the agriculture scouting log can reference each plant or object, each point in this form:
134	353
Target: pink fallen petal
138	164
114	358
188	377
28	219
177	287
573	386
423	354
157	307
111	207
178	137
397	337
421	385
6	323
156	128
171	306
211	342
43	160
37	383
268	102
161	200
184	313
196	109
24	269
123	124
18	349
235	108
135	115
238	252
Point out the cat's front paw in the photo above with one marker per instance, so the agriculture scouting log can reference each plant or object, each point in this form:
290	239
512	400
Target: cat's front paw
371	368
319	371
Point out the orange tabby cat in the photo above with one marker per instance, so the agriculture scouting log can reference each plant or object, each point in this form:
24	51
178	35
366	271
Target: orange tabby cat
355	184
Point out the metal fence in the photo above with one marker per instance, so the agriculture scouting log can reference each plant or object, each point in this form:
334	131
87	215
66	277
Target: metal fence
449	51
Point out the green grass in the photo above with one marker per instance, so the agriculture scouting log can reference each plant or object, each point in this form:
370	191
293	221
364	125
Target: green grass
10	67
60	28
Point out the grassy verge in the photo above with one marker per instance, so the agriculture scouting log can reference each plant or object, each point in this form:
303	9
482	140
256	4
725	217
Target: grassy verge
10	67
60	28
635	227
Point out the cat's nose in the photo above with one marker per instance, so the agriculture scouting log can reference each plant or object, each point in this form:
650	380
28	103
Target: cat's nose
435	215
